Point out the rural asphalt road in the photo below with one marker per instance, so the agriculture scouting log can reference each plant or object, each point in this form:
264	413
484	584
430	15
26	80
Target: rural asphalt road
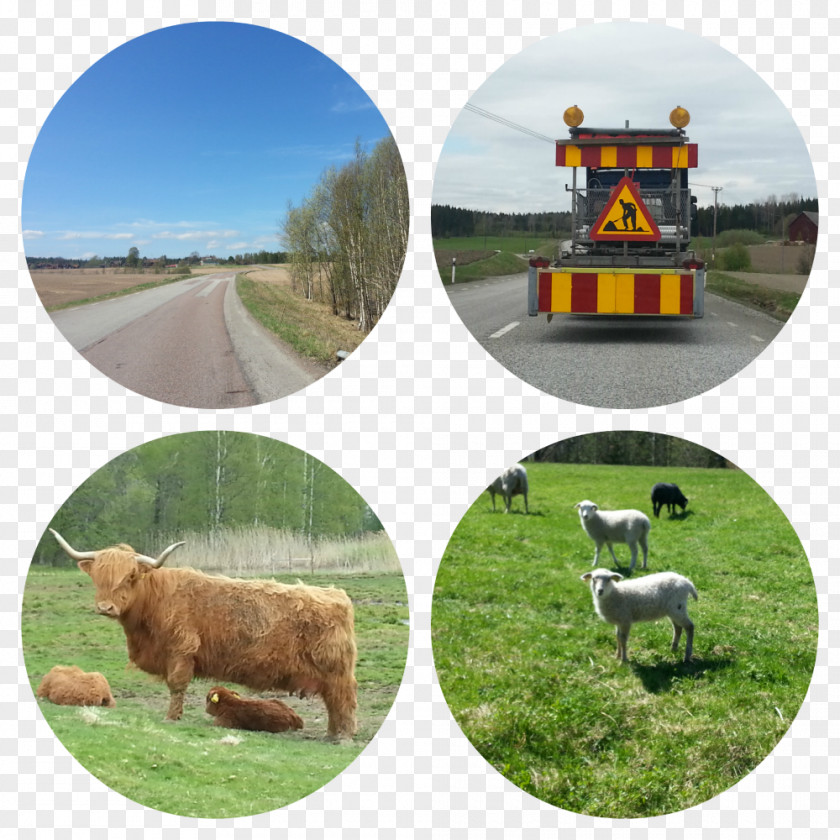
190	343
615	361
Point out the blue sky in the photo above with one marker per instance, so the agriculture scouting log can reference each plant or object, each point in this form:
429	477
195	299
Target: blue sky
190	138
748	143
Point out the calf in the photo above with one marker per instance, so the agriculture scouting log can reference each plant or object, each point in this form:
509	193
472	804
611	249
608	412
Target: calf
235	712
69	685
667	495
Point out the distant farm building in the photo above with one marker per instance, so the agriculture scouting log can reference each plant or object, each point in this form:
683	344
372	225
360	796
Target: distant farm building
804	228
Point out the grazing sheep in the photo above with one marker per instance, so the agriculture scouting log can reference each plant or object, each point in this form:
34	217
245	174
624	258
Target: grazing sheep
643	599
235	712
69	685
512	482
615	526
668	495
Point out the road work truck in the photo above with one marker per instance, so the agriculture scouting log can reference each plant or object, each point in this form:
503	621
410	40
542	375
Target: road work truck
631	221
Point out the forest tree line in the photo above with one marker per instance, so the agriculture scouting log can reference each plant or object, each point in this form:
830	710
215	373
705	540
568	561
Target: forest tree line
207	482
769	217
634	449
347	239
134	260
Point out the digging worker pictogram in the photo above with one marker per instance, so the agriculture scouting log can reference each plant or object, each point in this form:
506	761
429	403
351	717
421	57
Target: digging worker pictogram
629	214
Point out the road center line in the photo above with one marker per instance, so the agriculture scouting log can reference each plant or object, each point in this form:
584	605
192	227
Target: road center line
503	330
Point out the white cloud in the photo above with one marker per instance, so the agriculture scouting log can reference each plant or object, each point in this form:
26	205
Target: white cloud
92	234
33	234
194	234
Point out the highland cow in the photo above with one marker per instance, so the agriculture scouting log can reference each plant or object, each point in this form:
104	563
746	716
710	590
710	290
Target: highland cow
235	712
182	623
69	685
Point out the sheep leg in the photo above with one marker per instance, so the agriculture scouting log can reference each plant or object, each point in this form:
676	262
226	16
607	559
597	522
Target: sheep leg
675	641
507	504
615	559
621	634
597	553
689	640
644	544
526	502
634	551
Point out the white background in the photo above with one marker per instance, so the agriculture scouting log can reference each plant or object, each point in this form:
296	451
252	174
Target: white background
420	419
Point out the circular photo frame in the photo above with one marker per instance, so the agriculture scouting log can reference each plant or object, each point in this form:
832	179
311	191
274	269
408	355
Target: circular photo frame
245	654
645	679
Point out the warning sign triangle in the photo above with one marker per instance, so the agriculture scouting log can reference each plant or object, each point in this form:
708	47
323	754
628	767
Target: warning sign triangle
625	217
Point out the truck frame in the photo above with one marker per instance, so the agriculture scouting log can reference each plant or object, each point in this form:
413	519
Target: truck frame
631	217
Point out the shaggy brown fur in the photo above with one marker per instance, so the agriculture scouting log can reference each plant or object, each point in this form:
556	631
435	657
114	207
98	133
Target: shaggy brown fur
182	623
69	685
235	712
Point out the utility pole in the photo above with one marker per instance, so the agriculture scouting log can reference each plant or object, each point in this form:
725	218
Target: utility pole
716	190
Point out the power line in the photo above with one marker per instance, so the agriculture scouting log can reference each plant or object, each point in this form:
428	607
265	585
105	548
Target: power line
509	123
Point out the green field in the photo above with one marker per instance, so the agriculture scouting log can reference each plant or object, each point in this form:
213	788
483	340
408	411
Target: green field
528	668
190	767
478	257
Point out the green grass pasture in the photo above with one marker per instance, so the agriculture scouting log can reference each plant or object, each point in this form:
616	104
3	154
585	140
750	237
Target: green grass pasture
529	670
190	767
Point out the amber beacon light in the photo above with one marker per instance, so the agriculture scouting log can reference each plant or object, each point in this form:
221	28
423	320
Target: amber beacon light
573	116
679	117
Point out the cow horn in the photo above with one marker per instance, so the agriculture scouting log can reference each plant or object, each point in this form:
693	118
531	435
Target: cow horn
156	564
76	555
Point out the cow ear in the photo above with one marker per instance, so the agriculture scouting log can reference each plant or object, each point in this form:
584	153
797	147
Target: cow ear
85	565
214	698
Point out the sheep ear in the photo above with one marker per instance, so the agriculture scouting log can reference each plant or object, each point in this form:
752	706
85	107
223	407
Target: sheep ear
587	576
577	506
617	577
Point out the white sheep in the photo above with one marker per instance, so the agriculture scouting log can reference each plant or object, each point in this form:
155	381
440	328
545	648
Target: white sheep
512	482
615	526
625	602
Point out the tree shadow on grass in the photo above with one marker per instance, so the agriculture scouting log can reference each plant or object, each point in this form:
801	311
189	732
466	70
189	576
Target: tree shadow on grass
663	676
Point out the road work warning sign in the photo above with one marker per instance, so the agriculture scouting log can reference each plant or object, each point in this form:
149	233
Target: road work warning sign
625	217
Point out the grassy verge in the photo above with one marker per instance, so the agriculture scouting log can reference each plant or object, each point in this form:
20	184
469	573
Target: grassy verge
308	327
774	302
190	767
477	258
528	668
142	287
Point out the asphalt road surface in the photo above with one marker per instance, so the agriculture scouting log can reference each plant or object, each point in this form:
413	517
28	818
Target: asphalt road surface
611	361
190	343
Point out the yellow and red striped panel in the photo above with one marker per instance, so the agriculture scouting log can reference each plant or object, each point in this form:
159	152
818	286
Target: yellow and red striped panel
629	157
619	292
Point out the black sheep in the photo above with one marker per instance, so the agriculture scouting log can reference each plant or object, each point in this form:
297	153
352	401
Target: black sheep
667	495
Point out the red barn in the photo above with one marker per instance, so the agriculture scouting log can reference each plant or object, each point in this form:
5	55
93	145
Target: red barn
804	228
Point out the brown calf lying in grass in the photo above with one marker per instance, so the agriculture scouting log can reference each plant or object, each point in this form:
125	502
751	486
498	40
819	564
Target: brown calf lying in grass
69	685
235	712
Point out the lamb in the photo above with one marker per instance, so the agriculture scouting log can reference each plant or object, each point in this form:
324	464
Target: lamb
643	599
69	685
615	526
512	482
667	495
229	709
